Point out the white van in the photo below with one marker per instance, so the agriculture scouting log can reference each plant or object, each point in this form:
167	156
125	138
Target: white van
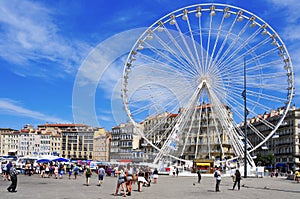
22	161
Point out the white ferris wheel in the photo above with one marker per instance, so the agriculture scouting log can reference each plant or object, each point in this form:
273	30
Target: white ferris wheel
188	77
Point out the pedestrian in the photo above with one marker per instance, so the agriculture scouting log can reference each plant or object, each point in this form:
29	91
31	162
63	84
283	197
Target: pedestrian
276	173
199	175
70	169
141	179
56	171
129	179
174	171
8	166
76	169
177	171
237	179
217	175
88	174
297	176
155	175
0	168
13	177
147	177
121	181
101	173
47	171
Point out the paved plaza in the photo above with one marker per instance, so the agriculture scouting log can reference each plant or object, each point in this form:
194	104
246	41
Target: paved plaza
167	187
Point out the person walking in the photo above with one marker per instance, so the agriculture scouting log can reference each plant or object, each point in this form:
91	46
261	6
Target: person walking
70	170
13	177
217	175
121	181
155	175
88	174
141	179
177	171
129	179
101	173
297	176
76	169
199	175
237	179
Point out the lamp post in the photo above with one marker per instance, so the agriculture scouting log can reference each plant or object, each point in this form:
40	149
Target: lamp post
221	151
245	121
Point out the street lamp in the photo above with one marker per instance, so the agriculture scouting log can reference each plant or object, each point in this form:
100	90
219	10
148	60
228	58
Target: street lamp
245	121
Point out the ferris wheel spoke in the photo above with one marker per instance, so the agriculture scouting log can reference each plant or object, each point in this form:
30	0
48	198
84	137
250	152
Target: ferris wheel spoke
208	43
216	42
239	49
270	98
182	65
201	44
191	56
265	66
236	62
231	46
198	63
225	41
178	47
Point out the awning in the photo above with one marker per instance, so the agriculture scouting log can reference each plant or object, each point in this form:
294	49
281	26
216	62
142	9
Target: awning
203	164
125	161
60	160
281	165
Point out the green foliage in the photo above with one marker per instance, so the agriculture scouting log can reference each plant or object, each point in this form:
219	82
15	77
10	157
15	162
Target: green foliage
264	160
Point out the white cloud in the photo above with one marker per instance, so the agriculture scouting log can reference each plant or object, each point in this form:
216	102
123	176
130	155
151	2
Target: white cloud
289	10
286	8
31	39
11	107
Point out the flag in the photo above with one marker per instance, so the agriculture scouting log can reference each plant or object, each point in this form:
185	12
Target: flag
173	145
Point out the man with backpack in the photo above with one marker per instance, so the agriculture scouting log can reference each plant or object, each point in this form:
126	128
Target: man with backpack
88	173
217	175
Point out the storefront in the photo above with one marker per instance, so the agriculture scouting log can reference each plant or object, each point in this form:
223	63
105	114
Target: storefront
205	165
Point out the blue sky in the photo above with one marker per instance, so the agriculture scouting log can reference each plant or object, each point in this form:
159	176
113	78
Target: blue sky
46	47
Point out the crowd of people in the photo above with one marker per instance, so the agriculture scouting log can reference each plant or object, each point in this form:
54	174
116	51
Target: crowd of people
126	175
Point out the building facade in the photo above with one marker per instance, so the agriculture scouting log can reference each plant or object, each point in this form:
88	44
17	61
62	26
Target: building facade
9	142
198	137
122	143
285	144
101	150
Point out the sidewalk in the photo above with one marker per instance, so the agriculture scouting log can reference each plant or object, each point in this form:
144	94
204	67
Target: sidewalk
167	187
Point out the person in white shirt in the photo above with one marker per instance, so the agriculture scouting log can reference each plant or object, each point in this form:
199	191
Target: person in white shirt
218	177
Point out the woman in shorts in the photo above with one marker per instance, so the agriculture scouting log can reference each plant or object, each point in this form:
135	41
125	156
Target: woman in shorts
121	181
141	179
129	179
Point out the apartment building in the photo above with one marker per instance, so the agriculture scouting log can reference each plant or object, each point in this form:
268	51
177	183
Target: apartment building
9	141
101	150
285	144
